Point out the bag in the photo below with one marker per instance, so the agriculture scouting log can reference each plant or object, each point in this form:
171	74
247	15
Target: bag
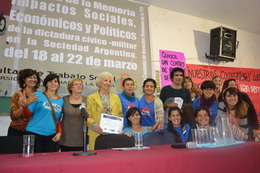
52	109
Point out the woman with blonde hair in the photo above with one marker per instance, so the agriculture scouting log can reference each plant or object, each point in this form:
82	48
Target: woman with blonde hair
218	83
189	84
102	101
72	120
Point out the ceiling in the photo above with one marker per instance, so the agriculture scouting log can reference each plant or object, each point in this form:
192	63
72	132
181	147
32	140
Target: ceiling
241	14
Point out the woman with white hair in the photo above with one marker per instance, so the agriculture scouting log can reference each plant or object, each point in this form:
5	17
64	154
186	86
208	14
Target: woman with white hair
102	101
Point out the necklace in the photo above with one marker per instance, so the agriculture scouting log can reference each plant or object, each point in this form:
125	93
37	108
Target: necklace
105	99
141	129
233	120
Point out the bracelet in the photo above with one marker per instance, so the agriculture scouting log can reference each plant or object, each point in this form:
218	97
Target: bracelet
58	133
92	127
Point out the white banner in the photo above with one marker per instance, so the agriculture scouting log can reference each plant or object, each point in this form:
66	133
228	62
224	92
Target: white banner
75	38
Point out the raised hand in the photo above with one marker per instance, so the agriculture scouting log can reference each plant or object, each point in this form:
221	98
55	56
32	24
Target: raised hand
33	97
26	101
22	99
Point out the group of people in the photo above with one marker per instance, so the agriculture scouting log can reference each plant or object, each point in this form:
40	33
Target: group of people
181	106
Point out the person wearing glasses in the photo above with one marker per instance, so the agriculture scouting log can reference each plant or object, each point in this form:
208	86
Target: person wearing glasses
72	121
207	99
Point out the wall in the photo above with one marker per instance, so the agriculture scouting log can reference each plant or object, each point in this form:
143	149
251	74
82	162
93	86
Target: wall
174	31
4	115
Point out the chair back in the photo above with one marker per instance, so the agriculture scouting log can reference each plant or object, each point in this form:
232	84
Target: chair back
11	144
114	141
159	138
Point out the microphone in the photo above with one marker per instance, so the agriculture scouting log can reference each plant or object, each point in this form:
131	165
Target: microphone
189	145
84	113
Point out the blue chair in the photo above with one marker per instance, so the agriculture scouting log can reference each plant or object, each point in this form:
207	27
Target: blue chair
159	138
114	141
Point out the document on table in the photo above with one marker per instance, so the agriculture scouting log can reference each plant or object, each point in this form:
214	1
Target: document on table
179	101
111	124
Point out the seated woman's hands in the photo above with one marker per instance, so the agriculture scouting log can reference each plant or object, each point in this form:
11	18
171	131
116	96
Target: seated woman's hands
160	127
150	128
98	129
128	134
161	124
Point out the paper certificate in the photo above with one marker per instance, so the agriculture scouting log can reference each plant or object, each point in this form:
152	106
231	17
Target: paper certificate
111	124
179	101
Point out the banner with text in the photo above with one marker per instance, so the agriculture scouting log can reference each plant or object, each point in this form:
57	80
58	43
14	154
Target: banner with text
168	61
248	79
74	38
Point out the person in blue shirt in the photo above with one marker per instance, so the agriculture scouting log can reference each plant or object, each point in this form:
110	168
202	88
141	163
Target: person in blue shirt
44	125
127	97
151	107
202	118
134	119
177	126
207	99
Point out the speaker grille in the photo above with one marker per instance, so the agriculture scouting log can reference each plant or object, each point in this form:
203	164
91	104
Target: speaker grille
227	47
222	44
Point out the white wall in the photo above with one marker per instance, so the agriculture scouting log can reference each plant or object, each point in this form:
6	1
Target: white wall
191	35
4	124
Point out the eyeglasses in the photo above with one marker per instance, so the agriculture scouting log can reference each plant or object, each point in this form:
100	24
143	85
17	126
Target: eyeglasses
208	89
77	84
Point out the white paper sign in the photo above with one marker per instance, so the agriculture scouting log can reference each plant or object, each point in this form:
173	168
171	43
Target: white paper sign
111	124
179	101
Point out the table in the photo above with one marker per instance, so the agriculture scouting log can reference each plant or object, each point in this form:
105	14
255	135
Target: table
162	158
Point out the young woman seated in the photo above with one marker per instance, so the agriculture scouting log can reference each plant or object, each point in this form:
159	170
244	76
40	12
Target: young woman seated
177	126
236	110
133	116
202	118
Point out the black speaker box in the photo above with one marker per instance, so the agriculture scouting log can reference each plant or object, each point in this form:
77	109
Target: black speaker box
223	44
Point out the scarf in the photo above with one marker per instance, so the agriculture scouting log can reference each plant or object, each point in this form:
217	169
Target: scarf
207	102
127	96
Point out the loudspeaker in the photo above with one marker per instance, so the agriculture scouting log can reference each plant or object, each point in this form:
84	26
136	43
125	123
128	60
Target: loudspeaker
223	44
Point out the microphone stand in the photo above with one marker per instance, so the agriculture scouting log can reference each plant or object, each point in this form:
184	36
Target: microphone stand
84	153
